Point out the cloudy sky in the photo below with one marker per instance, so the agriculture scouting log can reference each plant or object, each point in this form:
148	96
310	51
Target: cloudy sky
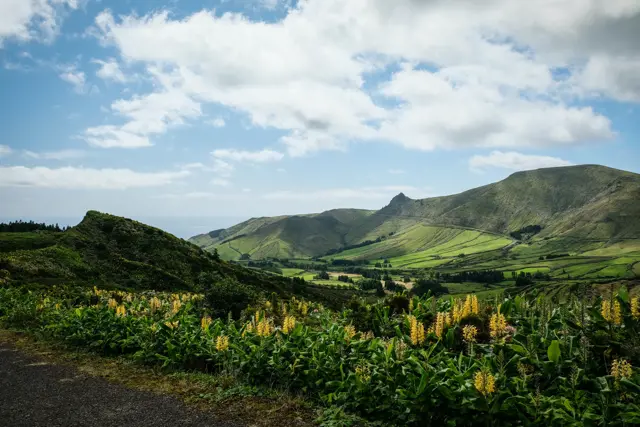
240	108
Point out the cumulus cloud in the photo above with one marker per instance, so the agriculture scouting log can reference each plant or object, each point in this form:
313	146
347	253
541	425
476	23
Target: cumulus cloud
220	182
222	168
110	70
218	122
146	115
455	74
5	150
84	178
262	156
514	161
76	78
32	19
56	155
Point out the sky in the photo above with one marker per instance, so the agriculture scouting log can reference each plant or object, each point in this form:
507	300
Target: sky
199	114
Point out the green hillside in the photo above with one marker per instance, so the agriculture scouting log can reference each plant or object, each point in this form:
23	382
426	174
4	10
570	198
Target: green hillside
106	250
578	208
297	236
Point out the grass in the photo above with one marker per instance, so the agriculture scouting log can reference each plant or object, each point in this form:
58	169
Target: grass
291	272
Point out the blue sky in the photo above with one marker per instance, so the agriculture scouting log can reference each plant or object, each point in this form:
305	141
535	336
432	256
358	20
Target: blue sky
217	111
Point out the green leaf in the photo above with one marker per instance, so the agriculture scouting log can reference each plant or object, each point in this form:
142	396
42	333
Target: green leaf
517	348
553	352
623	294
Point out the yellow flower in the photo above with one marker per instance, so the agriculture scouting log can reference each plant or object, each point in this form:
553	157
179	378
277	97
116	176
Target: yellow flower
175	306
112	304
466	311
172	325
368	335
121	311
154	327
457	311
264	328
128	298
635	307
484	382
222	343
605	310
497	324
289	324
410	305
57	306
267	305
349	331
154	304
469	333
303	307
617	313
620	369
205	322
475	307
363	373
442	319
247	329
417	330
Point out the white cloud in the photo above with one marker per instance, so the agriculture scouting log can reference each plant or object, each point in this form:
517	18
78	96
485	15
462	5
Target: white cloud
76	78
396	171
281	170
31	19
262	156
481	74
617	78
246	190
269	4
109	136
147	115
220	182
84	178
56	155
514	161
218	122
110	70
196	165
5	150
222	168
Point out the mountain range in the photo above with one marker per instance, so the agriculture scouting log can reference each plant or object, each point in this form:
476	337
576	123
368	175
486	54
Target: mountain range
575	207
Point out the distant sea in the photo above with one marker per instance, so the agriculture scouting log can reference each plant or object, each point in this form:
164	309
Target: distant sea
183	227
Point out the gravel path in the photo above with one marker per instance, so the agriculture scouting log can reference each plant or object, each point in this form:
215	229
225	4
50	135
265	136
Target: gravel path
34	393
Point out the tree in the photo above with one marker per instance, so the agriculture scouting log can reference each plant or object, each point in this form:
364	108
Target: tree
216	255
323	275
245	256
423	286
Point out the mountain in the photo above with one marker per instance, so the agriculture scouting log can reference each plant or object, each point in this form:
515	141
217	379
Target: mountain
107	250
295	236
578	203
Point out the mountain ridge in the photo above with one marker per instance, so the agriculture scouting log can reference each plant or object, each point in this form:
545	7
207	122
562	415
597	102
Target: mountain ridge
584	201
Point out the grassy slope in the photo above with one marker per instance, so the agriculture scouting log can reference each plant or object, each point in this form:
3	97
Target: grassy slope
298	236
585	210
107	250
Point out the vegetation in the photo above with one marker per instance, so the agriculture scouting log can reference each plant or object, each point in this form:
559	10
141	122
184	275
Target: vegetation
585	208
111	251
23	227
402	361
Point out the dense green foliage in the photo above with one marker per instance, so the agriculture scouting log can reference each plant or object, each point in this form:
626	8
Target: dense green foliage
28	226
529	362
107	250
